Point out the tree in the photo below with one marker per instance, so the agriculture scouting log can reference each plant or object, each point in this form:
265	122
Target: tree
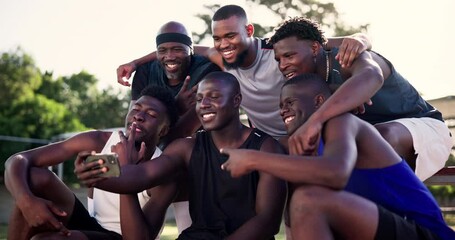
324	13
36	106
19	77
79	93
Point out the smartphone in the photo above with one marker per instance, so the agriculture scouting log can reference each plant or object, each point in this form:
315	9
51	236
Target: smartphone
110	162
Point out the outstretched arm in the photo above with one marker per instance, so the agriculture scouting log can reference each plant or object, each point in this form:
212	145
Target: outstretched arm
135	178
270	200
350	47
331	169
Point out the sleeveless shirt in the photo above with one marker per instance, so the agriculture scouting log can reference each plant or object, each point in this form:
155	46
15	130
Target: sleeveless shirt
219	204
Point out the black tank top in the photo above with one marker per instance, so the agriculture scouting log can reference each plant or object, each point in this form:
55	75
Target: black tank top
219	204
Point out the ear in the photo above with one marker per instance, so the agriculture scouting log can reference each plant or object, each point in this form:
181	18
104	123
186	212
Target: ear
237	100
318	101
164	130
249	30
315	46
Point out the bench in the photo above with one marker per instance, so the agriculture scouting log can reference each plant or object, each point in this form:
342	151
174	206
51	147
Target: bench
445	176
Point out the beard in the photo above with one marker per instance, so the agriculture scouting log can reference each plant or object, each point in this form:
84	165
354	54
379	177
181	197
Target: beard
238	61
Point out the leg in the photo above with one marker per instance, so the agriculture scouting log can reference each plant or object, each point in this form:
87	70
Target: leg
321	213
399	137
41	181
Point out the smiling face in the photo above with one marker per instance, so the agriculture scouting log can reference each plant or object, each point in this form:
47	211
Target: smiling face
231	40
175	59
296	106
295	56
150	116
217	103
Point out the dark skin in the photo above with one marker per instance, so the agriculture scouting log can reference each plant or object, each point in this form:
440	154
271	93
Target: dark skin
236	34
319	180
364	77
217	107
175	58
39	210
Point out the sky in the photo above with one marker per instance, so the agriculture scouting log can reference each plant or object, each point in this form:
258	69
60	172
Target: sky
67	36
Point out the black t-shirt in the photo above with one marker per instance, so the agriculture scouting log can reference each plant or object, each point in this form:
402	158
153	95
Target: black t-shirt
152	73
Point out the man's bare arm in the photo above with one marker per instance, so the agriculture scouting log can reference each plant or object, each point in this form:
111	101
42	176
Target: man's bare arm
270	200
146	223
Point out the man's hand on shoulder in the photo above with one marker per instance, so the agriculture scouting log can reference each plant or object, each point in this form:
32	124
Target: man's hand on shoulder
351	47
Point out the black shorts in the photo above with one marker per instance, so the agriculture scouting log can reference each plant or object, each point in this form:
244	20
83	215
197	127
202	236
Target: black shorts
81	221
391	226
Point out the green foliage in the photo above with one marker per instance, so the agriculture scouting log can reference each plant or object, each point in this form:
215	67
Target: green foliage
324	13
19	77
78	92
35	105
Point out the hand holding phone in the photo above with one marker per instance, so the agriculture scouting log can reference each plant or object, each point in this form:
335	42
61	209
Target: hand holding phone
110	161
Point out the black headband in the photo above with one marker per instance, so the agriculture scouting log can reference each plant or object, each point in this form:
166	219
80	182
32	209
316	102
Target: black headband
173	37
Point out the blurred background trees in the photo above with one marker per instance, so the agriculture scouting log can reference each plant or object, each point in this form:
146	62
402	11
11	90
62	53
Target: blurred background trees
37	106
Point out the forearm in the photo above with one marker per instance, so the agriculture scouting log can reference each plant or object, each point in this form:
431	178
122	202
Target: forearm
133	222
132	179
297	169
354	92
147	58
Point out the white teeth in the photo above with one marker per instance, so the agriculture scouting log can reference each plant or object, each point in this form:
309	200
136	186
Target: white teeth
288	119
289	75
228	53
208	116
172	66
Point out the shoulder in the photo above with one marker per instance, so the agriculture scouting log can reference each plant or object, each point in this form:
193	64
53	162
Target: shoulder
181	145
269	144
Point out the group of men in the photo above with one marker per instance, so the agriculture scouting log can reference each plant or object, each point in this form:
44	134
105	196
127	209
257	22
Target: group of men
346	176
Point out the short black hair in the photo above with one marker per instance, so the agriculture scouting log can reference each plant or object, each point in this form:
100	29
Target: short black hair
312	81
228	11
225	77
165	96
300	27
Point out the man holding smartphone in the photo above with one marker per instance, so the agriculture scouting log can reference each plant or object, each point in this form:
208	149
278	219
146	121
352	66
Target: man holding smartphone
221	207
46	207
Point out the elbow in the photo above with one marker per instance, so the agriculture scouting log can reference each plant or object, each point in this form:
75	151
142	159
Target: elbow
338	178
374	74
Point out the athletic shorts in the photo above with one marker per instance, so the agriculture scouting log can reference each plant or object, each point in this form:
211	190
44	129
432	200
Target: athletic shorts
81	221
391	227
432	142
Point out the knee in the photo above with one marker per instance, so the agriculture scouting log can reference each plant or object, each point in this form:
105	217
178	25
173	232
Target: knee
389	133
307	200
